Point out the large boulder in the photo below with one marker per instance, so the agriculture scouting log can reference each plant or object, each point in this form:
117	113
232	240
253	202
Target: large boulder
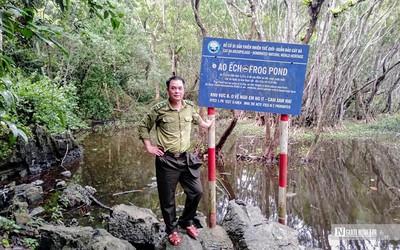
215	239
209	238
187	243
42	151
249	229
137	225
83	238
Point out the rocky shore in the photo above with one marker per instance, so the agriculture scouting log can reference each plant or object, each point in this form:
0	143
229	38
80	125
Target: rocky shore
132	227
26	222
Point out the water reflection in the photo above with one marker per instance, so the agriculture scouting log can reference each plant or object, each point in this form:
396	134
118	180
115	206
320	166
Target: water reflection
117	162
347	182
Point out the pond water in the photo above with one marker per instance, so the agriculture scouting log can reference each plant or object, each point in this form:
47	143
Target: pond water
346	182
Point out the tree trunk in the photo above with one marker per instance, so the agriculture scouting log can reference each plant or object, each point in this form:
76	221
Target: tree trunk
313	9
376	85
196	6
228	131
1	37
203	110
388	106
271	142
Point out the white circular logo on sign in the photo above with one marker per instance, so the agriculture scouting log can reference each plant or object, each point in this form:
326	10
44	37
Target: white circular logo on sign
213	47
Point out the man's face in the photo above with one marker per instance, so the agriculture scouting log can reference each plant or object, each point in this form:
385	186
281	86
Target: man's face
176	90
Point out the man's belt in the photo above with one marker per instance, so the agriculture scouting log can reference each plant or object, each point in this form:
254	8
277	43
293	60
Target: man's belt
175	155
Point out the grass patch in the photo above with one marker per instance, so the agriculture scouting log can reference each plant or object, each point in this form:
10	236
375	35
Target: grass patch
384	129
390	124
248	127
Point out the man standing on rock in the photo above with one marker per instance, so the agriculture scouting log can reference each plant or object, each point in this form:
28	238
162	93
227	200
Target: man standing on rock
173	119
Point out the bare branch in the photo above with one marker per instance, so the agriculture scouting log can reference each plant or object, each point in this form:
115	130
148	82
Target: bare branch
195	7
345	7
230	2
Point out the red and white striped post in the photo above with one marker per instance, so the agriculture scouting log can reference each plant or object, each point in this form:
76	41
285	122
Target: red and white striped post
284	136
211	171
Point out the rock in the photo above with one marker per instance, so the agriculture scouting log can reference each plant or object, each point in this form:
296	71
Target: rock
187	244
209	238
91	190
61	184
23	173
3	197
215	238
137	225
74	195
74	222
37	183
20	211
66	173
6	194
21	218
140	227
28	192
18	205
34	193
42	151
83	238
36	211
248	229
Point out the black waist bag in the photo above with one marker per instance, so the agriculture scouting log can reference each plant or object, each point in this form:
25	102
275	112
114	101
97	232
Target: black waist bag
194	161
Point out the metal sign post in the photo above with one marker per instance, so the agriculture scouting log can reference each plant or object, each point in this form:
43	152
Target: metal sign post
284	136
212	171
256	76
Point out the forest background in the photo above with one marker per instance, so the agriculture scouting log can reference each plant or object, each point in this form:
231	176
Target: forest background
66	63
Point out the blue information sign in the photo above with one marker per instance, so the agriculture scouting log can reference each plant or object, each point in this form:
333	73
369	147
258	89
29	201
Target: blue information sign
252	75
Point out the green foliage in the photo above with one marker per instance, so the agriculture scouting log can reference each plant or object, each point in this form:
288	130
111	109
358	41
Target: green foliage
384	129
56	213
5	150
102	9
31	243
120	51
53	209
7	115
391	124
43	102
52	201
109	69
11	235
5	146
93	101
248	127
22	21
5	242
17	24
21	26
343	7
306	2
9	226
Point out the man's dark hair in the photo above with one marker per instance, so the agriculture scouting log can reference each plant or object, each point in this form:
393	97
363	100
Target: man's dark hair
172	78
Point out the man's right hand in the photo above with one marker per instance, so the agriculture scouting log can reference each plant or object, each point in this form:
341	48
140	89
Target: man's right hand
156	150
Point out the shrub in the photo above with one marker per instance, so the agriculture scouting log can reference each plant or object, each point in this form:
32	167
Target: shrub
44	103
